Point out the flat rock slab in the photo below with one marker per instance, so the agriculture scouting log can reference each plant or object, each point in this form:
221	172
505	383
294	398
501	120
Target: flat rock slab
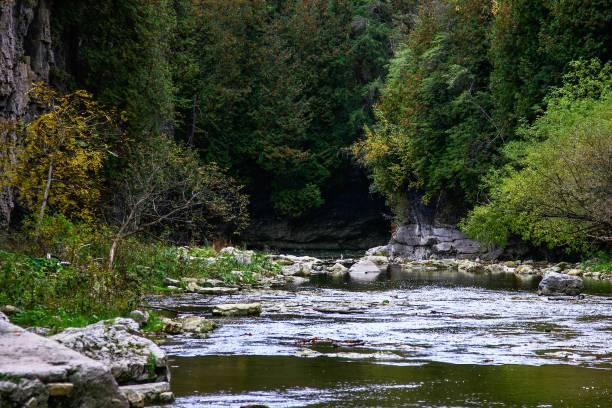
237	309
35	368
215	290
140	395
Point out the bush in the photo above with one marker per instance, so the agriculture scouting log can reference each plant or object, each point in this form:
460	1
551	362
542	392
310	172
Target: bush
56	295
557	188
297	202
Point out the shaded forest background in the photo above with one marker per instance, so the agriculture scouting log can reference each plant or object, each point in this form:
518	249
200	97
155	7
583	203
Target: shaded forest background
284	97
130	128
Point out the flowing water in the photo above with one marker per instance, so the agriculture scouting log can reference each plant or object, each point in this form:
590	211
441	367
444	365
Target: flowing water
411	339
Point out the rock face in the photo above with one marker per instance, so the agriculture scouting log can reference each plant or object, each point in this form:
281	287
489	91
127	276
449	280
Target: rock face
116	343
34	368
350	218
25	56
420	241
555	283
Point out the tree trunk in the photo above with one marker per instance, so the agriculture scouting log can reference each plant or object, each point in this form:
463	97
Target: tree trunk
43	205
112	252
194	107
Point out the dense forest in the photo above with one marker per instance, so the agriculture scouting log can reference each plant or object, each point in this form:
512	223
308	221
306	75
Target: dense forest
161	121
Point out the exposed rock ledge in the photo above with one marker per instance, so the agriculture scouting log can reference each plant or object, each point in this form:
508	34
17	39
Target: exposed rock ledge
39	372
421	241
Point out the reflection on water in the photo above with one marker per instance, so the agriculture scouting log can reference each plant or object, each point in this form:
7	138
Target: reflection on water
410	279
232	381
419	338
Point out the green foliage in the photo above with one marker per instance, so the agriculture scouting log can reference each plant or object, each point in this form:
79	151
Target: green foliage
295	203
165	187
556	189
151	365
56	295
531	44
433	132
154	324
227	267
274	91
119	50
61	155
600	262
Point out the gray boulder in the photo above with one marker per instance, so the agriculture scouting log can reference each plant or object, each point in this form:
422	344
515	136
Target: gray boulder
237	309
197	325
364	266
140	395
34	369
378	251
419	241
337	270
555	283
118	344
364	271
139	316
297	269
242	257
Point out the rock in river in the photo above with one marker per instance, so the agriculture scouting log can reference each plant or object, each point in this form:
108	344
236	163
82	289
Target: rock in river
237	309
197	325
298	269
195	288
555	283
117	343
337	270
140	395
34	369
364	271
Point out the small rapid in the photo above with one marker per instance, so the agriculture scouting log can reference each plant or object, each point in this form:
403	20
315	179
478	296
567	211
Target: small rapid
394	336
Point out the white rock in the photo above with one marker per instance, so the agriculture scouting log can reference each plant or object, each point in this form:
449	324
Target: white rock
364	266
196	324
555	283
378	260
468	266
297	269
140	395
237	309
118	344
526	269
35	368
337	270
379	250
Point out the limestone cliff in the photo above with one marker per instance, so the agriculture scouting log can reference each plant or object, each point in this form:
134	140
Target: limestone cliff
25	56
431	230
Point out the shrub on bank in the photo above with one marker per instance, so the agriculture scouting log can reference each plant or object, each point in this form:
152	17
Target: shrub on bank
74	286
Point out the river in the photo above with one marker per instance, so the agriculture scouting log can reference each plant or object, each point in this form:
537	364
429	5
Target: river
408	339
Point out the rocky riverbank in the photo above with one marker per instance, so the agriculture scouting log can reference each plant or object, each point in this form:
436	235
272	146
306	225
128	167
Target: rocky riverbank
106	364
113	363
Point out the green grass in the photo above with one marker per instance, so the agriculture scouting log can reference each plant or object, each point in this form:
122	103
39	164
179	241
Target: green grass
601	262
57	296
154	325
56	320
